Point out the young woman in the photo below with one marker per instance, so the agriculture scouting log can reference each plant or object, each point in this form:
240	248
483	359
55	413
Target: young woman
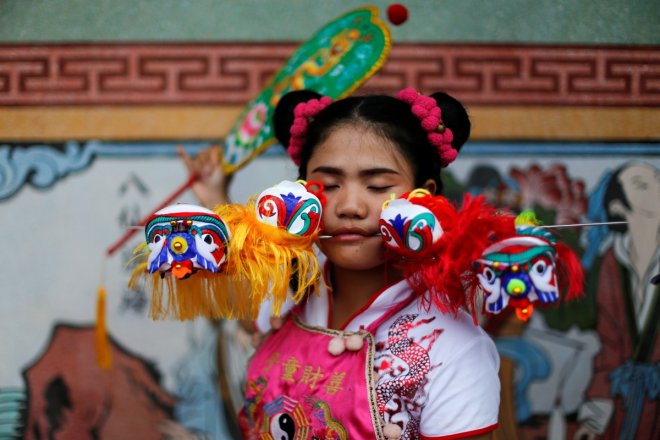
365	357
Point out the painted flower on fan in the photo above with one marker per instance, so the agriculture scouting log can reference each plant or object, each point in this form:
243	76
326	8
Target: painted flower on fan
253	123
408	228
291	206
185	238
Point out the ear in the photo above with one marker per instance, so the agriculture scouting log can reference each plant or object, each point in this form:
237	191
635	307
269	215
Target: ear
615	207
430	186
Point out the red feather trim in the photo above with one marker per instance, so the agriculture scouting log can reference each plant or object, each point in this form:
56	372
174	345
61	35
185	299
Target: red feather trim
446	270
570	272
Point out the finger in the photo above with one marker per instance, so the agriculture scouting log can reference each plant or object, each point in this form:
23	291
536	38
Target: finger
214	151
248	325
212	164
187	160
256	340
275	322
205	164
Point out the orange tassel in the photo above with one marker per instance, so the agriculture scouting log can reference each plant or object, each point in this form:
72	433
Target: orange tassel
524	313
103	356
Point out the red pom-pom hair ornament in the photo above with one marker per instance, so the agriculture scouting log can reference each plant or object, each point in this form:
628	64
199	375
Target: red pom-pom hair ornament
397	14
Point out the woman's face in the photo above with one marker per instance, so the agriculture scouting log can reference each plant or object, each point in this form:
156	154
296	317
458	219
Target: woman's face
641	185
360	170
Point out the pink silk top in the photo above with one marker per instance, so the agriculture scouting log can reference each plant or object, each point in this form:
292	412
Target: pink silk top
297	390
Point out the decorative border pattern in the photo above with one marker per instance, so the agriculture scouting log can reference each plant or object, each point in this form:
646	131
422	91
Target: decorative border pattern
530	75
233	73
136	74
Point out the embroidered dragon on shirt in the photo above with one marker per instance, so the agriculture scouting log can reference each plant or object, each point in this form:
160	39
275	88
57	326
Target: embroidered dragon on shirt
400	392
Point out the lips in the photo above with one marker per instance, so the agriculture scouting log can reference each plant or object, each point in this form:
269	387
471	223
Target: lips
351	234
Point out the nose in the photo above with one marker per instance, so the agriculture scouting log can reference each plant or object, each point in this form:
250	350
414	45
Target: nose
350	204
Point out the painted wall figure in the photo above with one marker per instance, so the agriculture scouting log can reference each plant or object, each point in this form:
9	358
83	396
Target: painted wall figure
70	88
623	396
69	396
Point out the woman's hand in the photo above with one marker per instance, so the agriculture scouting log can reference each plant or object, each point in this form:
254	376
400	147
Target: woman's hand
212	185
584	433
255	335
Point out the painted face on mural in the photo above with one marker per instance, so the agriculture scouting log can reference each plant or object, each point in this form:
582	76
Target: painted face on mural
641	185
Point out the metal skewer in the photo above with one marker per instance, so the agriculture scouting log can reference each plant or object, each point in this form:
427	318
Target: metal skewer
377	234
582	224
571	225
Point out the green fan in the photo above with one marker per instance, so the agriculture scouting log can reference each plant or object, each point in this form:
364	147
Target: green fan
339	58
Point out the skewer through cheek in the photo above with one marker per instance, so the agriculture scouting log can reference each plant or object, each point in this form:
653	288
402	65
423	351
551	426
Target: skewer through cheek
326	236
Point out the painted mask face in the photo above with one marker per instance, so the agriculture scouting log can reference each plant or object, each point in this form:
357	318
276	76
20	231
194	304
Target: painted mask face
290	206
185	238
519	271
408	228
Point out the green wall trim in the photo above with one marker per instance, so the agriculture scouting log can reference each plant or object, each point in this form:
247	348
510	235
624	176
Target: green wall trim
480	21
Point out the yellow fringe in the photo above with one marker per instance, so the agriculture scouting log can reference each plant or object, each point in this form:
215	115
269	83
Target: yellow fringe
260	264
204	294
264	256
103	355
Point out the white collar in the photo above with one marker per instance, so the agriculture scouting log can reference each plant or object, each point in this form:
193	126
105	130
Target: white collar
317	308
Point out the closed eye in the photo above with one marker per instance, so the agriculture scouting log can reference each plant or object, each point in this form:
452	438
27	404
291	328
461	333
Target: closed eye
379	189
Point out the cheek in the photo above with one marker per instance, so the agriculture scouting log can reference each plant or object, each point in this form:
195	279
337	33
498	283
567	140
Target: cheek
376	205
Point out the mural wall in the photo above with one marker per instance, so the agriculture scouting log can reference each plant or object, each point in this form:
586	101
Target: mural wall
95	101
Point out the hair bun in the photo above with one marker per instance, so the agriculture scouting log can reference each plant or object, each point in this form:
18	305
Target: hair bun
455	117
283	114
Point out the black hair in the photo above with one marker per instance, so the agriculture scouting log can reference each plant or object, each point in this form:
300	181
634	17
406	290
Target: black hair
614	191
384	115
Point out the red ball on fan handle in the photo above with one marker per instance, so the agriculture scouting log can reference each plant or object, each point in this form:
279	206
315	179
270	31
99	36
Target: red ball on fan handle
397	13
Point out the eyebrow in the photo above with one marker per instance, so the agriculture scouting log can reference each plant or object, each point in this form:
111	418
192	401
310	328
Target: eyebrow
363	173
